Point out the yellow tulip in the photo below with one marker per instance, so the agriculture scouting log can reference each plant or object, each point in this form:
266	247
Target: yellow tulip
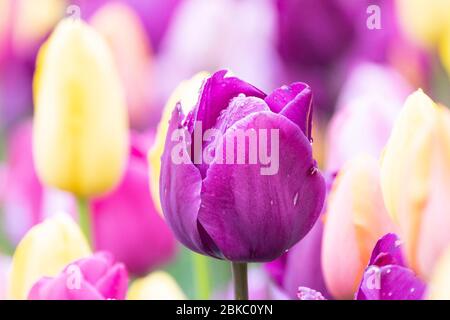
80	138
415	180
158	285
439	286
355	220
187	94
44	251
424	21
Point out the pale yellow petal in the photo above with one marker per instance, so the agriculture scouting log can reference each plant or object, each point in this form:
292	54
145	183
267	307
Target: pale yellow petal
405	169
80	132
424	21
158	285
44	251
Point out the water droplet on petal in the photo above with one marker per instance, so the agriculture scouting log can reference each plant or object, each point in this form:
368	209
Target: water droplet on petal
412	290
295	199
313	170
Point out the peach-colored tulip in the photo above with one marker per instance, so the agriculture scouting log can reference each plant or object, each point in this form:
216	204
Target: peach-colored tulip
356	218
415	179
439	286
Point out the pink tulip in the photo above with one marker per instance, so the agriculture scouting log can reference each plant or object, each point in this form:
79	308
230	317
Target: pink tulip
368	106
93	278
356	218
25	201
126	222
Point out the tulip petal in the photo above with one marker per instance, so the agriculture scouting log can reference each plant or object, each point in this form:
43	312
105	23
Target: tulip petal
295	103
44	251
94	268
249	215
390	283
216	94
58	289
114	284
387	251
180	191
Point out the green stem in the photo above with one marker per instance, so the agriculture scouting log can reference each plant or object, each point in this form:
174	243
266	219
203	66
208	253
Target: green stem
240	280
84	217
201	271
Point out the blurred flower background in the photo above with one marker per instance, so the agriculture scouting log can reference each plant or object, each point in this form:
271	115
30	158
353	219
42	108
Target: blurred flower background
379	73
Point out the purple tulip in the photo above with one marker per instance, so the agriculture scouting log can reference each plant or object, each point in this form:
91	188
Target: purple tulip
93	278
301	266
387	277
238	208
126	222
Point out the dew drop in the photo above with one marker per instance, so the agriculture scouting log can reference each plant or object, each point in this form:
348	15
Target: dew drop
390	294
271	202
388	271
285	88
313	170
295	199
412	290
241	95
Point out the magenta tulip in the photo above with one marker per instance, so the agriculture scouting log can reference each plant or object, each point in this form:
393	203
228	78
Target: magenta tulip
93	278
239	208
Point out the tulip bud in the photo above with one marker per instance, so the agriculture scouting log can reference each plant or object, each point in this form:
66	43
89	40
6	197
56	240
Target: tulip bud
80	124
356	218
439	286
156	286
213	200
93	278
44	251
187	94
415	180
